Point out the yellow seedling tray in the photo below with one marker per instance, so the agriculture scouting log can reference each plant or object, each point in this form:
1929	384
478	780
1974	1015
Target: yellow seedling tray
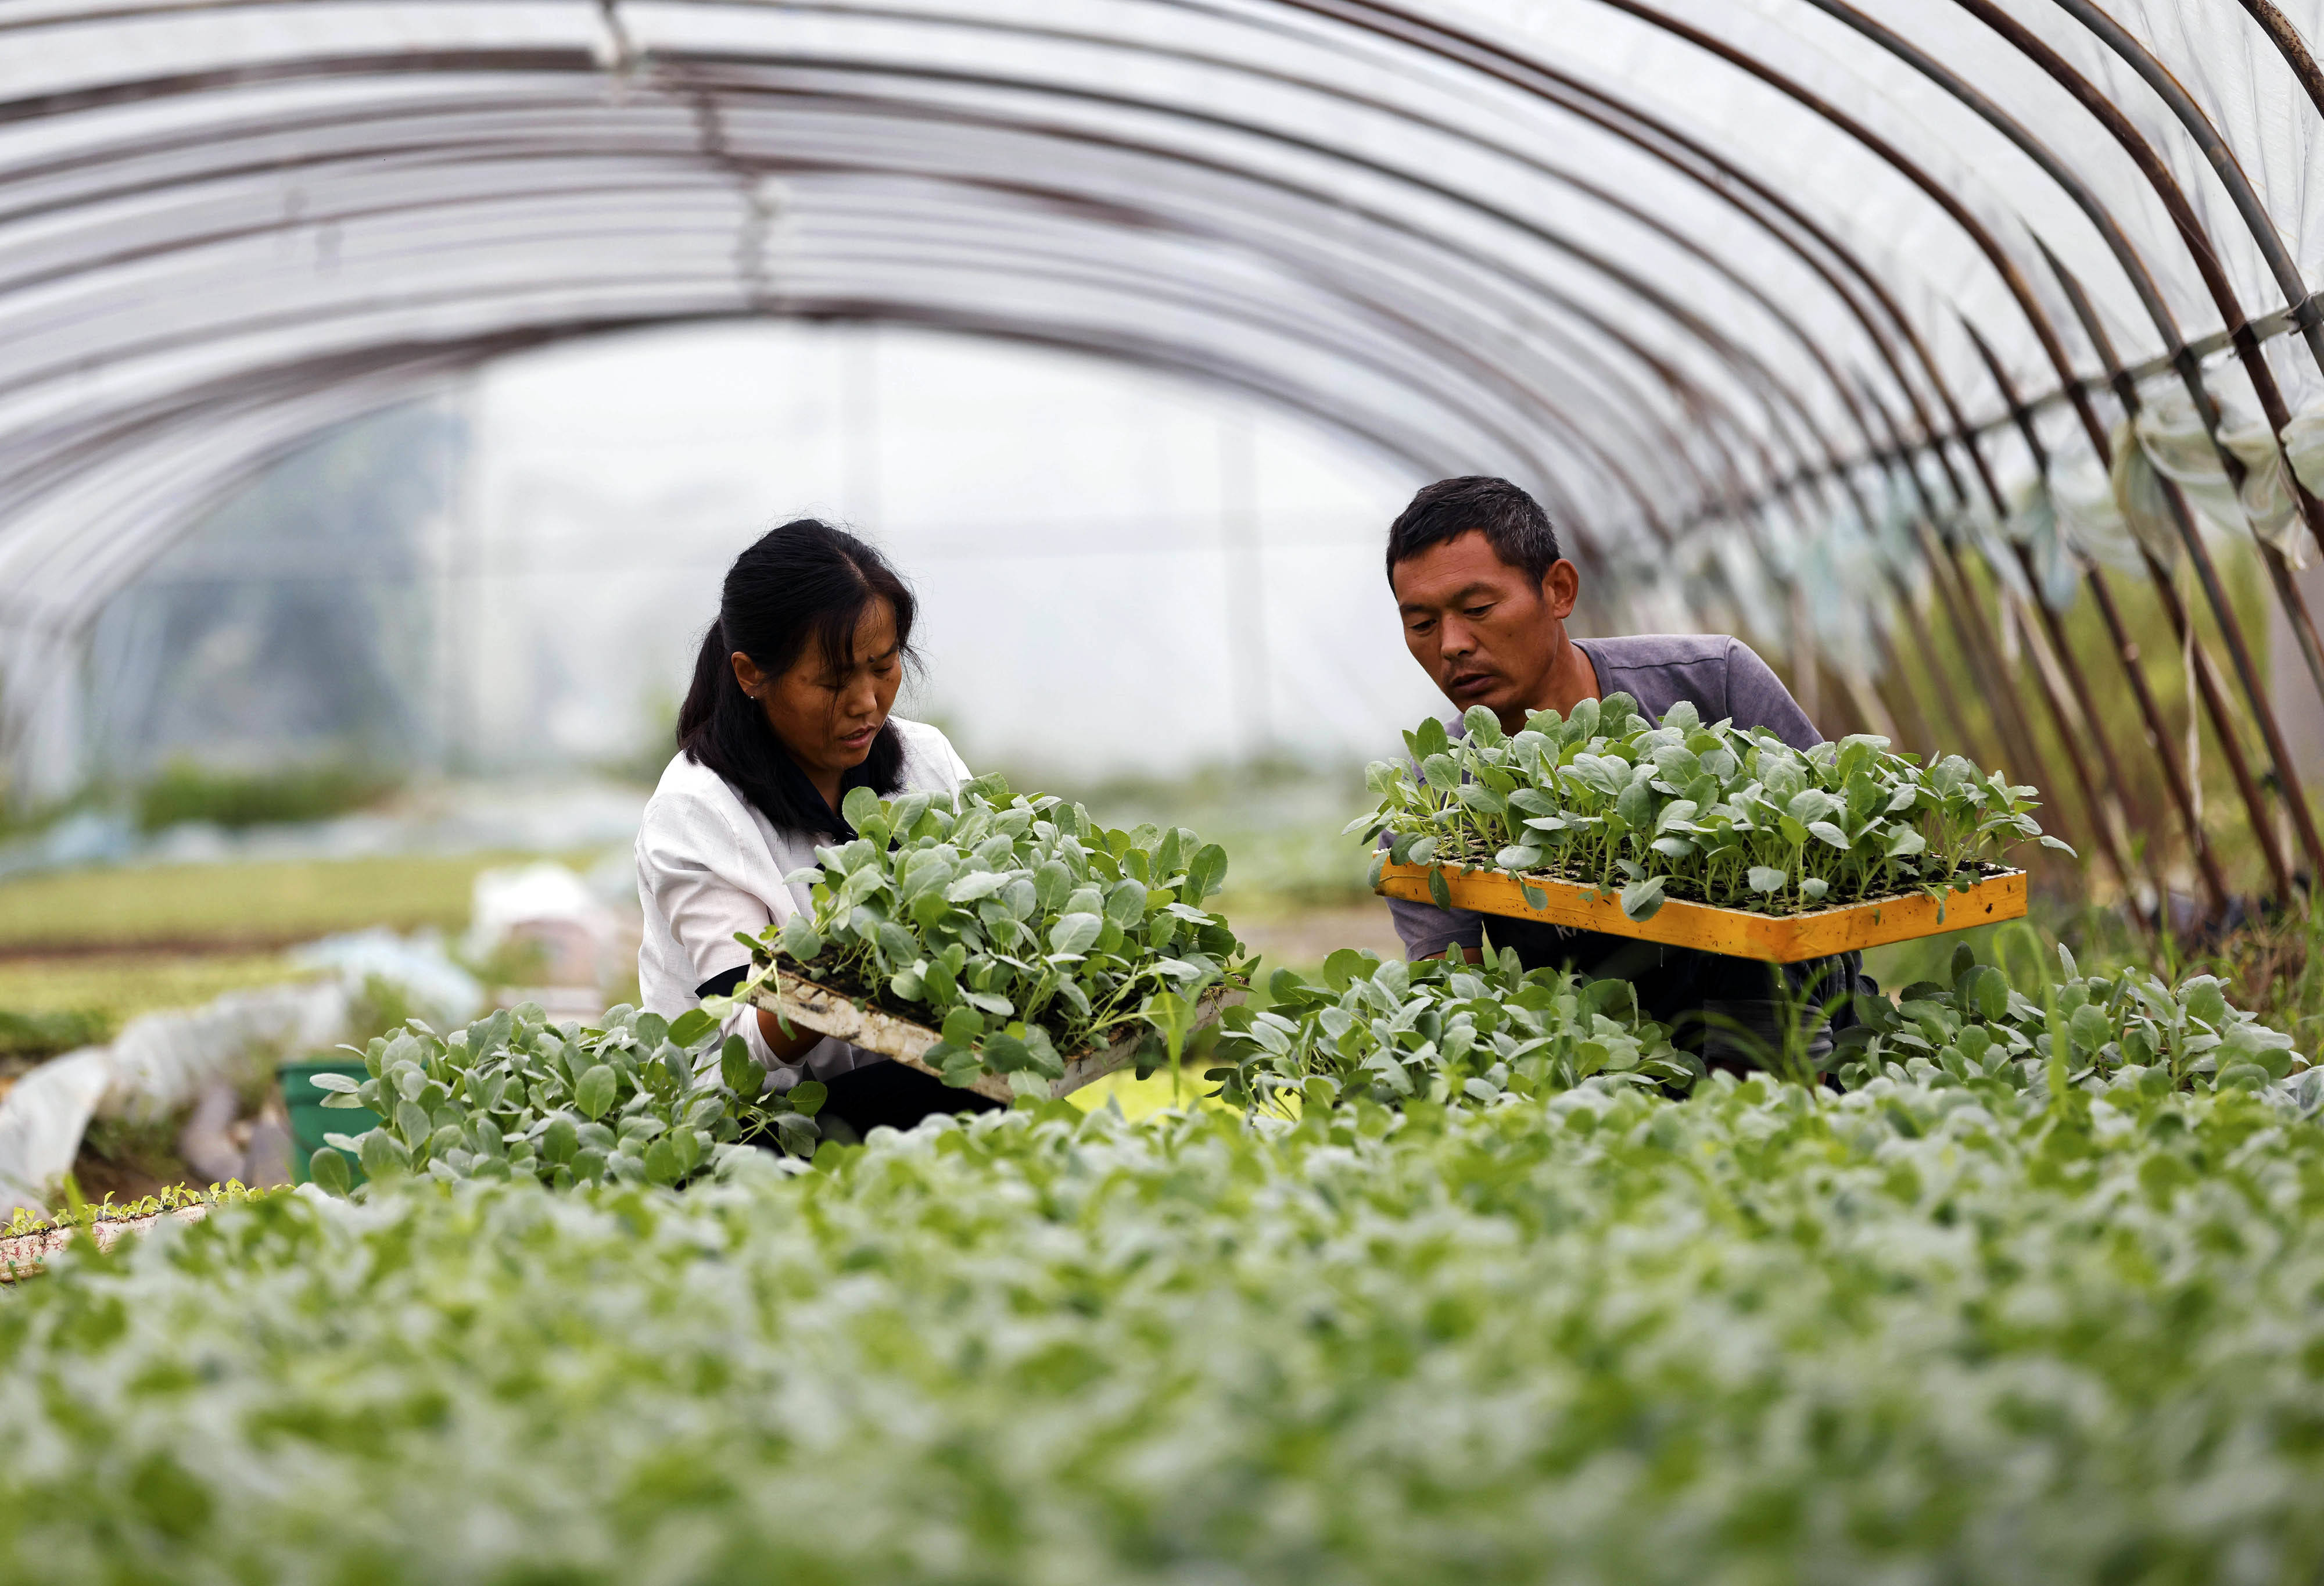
1778	938
816	1007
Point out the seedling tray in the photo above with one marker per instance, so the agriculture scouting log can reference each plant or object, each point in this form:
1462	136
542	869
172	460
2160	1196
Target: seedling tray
23	1255
853	1020
1778	938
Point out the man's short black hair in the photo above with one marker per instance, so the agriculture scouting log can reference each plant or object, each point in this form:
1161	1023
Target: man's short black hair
1512	522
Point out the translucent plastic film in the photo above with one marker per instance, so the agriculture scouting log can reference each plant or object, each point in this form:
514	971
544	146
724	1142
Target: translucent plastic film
1724	281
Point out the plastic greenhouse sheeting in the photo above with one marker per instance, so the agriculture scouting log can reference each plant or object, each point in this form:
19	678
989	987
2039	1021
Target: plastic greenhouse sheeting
1695	267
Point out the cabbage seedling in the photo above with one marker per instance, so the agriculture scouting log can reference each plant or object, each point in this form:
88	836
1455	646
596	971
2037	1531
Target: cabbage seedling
1017	926
1710	813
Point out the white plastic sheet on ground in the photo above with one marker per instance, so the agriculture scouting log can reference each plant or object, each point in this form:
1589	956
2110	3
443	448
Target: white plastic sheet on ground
444	992
156	1066
160	1062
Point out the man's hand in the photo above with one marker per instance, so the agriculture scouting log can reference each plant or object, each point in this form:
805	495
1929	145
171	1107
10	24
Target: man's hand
786	1048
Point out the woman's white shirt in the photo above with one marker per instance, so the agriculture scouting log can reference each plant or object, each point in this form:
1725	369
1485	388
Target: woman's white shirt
710	864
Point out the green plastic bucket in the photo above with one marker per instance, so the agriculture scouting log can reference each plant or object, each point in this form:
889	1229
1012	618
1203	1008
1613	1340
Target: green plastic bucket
310	1120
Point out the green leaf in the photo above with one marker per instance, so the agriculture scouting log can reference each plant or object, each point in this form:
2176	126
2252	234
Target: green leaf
897	943
560	1140
1075	933
1043	1052
1766	879
975	885
2089	1027
800	939
595	1093
691	1026
328	1169
1635	805
1206	872
807	1098
743	1073
1641	899
2204	1001
860	808
414	1125
1476	796
1125	904
383	1157
1005	1054
1053	882
1988	991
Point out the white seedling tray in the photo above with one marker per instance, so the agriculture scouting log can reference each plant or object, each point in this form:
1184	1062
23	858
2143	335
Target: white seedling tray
818	1007
22	1254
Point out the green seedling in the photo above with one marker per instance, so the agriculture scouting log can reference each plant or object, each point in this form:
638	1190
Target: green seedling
1712	814
1460	1035
1019	927
640	1100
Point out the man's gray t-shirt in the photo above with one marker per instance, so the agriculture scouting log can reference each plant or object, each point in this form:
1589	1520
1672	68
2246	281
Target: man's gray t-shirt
1724	678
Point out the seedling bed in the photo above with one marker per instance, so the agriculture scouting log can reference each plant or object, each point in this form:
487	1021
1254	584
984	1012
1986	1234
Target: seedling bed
861	1022
1779	939
22	1254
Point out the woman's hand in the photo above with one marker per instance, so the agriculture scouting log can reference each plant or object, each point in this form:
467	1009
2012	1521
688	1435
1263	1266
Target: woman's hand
786	1048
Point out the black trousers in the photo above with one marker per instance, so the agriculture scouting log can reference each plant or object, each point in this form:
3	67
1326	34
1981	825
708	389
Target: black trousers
895	1094
1720	1008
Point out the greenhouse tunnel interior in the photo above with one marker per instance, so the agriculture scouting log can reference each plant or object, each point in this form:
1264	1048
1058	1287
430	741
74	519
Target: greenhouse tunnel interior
1958	357
522	1060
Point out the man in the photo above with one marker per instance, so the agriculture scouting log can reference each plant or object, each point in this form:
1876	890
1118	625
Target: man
1484	595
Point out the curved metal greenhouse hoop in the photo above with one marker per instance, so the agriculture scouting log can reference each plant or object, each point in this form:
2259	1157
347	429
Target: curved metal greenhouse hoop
1652	382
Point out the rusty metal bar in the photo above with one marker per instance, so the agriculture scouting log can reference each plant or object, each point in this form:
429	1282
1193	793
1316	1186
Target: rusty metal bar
2292	47
2111	811
2223	164
2230	629
2223	294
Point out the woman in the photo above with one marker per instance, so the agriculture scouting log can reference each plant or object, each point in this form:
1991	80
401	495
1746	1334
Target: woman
788	712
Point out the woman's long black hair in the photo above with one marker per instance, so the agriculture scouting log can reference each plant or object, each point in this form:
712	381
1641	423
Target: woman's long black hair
805	582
